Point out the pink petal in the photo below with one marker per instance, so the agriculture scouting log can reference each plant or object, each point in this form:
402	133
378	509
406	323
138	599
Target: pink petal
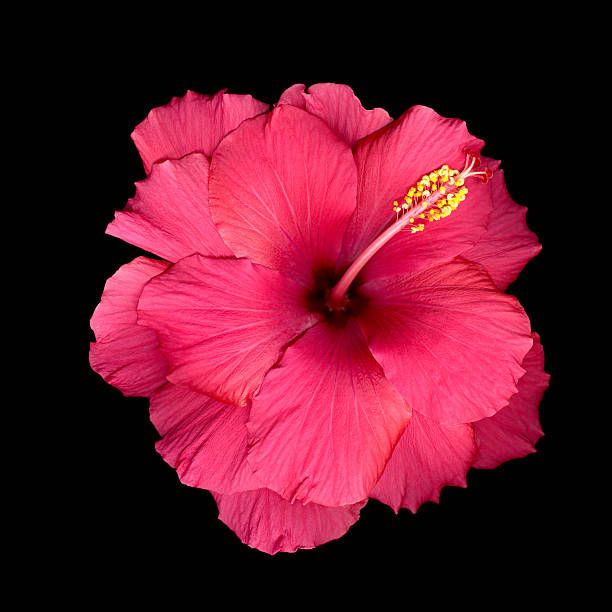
392	160
339	107
222	323
428	457
130	361
264	520
205	440
193	123
514	430
126	355
508	244
326	420
448	340
282	188
169	215
117	307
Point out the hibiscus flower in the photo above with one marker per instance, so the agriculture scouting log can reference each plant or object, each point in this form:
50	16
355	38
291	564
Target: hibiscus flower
327	322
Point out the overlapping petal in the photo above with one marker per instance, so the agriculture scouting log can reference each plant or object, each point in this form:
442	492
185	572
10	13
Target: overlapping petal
204	439
513	431
508	244
428	457
169	215
264	520
448	340
326	420
339	107
192	123
126	355
389	162
282	188
222	323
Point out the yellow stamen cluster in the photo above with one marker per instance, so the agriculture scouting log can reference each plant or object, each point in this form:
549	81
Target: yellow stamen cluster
435	197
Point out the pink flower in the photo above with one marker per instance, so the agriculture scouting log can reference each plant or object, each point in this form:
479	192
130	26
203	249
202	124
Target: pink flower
328	321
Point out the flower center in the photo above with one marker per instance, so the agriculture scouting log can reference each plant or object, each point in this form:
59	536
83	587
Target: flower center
436	196
318	298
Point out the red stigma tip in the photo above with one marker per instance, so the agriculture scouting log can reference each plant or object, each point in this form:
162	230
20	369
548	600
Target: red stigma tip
486	175
470	154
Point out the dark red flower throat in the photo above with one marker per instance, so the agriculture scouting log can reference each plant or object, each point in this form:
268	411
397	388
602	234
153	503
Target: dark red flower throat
318	297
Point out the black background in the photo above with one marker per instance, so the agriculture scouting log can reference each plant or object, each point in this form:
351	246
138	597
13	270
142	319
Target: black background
510	523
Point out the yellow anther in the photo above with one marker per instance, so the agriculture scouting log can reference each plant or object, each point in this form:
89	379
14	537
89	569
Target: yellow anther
435	196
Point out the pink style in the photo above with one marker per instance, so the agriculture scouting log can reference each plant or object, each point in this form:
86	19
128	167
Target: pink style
327	322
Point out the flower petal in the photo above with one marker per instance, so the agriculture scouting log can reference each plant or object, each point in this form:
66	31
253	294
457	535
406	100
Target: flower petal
222	323
130	361
193	123
339	107
513	431
508	244
126	355
326	420
205	440
282	188
169	215
393	159
264	520
448	340
428	457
